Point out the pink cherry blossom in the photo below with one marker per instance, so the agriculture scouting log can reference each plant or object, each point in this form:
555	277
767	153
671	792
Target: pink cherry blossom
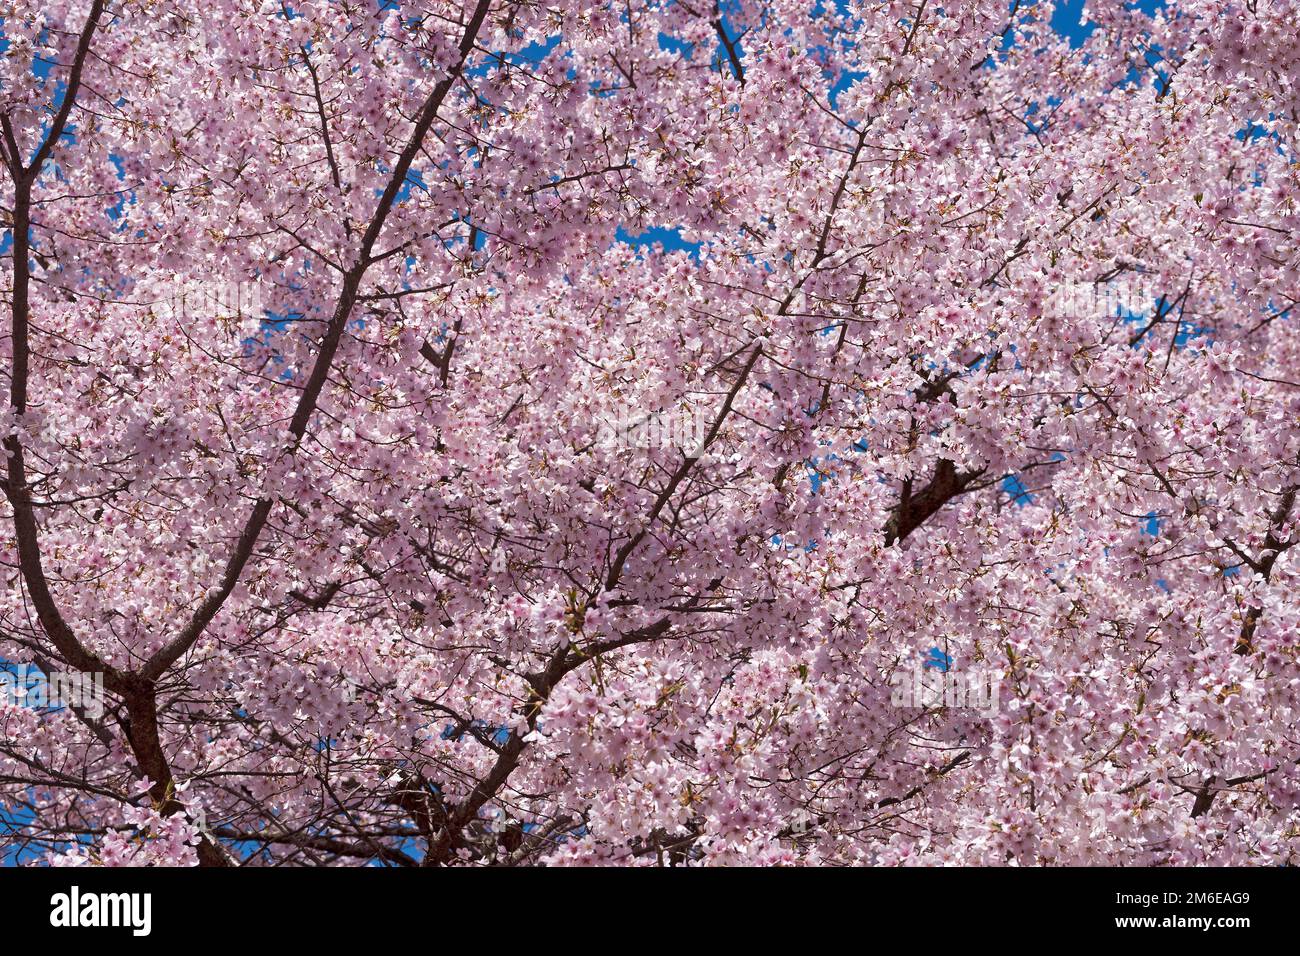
482	432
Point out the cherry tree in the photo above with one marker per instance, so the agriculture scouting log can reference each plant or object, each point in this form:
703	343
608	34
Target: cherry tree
509	432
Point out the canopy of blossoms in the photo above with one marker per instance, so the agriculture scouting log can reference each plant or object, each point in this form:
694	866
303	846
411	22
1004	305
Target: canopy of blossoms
925	494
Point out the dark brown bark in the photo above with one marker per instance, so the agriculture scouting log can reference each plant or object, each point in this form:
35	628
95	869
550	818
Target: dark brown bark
915	507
